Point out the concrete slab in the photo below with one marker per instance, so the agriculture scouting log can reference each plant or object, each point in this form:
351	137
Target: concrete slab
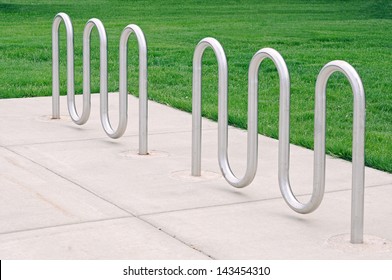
148	184
66	183
270	230
28	120
127	238
33	197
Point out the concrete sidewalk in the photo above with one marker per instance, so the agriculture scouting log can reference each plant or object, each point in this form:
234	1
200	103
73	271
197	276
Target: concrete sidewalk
70	192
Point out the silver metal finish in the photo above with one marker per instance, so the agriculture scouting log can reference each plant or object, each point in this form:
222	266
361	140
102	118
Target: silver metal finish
143	96
55	64
284	129
252	136
358	149
123	91
103	70
196	98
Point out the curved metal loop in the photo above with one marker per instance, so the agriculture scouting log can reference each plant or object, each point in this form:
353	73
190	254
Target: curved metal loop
55	61
123	100
104	96
70	71
222	109
358	147
284	129
196	98
86	71
252	137
123	92
103	73
357	204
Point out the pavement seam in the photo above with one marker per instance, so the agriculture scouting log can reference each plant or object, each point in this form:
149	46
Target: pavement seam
110	219
141	217
379	185
69	180
228	204
65	225
98	138
211	206
175	237
245	202
110	202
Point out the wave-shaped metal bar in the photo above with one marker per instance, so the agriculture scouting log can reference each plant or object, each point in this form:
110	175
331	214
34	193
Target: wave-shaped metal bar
123	91
357	204
284	129
252	136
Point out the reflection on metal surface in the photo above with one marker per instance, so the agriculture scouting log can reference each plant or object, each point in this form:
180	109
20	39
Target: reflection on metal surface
284	129
123	100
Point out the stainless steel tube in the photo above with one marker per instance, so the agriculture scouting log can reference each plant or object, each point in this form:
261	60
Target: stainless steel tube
358	146
55	61
319	148
284	129
123	100
252	145
103	76
284	158
70	74
252	133
196	98
143	95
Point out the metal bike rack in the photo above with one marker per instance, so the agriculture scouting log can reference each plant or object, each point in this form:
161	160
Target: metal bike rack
284	129
123	92
252	135
357	204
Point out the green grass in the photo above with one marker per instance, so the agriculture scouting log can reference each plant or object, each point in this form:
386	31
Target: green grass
308	34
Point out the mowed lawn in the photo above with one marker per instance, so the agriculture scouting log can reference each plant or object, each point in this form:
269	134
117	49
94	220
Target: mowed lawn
308	34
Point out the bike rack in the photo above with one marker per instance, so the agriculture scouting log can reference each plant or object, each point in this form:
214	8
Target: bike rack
252	134
123	92
284	129
358	150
